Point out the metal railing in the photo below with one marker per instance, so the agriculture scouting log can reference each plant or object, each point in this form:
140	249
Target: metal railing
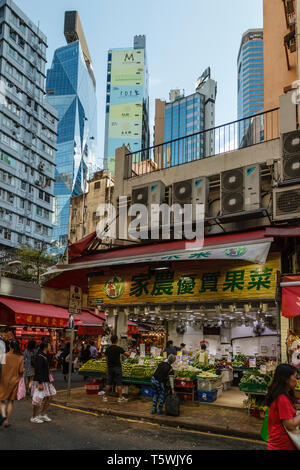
230	137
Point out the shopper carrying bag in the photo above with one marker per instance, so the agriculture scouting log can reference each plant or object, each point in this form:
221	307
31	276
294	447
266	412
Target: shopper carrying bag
282	416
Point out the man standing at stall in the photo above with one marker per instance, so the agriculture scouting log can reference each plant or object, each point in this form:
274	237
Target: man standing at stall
114	368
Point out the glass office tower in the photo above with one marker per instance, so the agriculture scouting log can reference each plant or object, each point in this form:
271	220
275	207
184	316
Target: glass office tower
188	115
71	89
250	82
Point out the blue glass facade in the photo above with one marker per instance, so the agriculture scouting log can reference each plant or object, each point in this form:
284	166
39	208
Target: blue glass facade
183	117
250	78
71	91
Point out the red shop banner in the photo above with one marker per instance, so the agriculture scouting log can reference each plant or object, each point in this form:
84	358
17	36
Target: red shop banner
27	319
291	298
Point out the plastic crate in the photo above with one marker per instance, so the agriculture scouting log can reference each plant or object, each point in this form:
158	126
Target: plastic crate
146	391
209	384
248	387
93	388
184	383
220	391
186	396
207	395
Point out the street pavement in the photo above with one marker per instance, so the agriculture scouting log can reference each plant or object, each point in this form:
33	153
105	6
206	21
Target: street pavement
72	430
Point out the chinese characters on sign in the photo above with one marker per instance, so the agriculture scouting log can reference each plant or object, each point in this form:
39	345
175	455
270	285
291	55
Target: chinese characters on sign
247	281
75	300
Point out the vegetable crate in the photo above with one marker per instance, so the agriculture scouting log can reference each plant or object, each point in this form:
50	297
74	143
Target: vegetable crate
251	387
92	388
207	395
208	384
146	391
186	396
184	383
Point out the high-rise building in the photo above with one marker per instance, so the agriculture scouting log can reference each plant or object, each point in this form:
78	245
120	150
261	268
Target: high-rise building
281	49
71	89
183	116
28	133
127	101
250	64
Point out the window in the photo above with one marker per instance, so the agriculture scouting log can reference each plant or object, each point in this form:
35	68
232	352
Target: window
97	185
74	212
20	220
22	203
20	239
47	198
41	195
23	185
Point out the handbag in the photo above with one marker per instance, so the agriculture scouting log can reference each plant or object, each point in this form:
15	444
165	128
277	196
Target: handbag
38	397
21	393
51	379
294	435
264	433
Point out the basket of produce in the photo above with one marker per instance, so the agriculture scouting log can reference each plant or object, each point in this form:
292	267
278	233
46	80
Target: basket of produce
186	372
94	365
184	383
240	361
254	381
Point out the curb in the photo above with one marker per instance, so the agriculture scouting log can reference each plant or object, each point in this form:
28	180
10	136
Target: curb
163	422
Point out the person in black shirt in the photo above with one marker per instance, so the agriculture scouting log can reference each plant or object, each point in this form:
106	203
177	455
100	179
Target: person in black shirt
114	368
159	382
170	349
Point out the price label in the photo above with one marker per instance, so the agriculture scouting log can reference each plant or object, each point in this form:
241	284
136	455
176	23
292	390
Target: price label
142	354
152	363
141	362
263	369
238	349
218	356
228	358
252	363
132	355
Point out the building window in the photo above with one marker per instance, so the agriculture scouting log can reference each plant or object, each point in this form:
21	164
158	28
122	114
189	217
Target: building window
97	185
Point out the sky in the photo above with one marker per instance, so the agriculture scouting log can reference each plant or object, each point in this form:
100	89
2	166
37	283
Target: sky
183	38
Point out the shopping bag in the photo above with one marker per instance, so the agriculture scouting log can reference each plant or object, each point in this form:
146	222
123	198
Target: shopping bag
173	405
294	436
38	397
21	393
264	433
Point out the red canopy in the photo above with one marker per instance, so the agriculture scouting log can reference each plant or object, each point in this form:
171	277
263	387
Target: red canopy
23	312
291	297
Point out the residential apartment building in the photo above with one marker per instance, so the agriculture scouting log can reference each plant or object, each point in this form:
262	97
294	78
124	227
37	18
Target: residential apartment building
28	133
127	101
83	208
250	65
183	116
71	89
281	49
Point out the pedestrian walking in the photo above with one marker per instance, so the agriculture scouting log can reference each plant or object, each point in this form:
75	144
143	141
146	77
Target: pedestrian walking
282	416
11	373
65	361
42	388
160	379
114	369
28	363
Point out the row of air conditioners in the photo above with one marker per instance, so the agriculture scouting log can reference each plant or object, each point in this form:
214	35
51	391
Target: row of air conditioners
240	191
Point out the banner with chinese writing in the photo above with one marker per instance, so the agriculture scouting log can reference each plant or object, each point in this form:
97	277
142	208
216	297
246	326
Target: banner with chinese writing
138	285
28	319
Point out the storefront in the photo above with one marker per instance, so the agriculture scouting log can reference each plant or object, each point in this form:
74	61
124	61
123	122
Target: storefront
33	320
291	319
224	293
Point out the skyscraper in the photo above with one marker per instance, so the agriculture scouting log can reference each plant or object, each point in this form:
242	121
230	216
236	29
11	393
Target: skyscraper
184	116
71	89
250	65
28	133
127	101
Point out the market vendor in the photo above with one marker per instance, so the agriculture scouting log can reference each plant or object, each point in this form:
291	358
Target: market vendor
184	351
162	375
202	356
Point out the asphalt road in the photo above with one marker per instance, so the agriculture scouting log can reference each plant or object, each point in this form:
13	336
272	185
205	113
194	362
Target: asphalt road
72	430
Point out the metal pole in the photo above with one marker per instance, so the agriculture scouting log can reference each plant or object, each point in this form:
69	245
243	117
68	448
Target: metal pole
70	355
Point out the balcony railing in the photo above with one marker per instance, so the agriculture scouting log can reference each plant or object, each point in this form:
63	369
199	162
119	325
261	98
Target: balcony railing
253	130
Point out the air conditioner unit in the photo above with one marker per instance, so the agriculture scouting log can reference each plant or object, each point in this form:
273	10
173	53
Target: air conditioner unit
291	155
148	195
286	203
41	166
200	194
37	183
240	189
182	192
